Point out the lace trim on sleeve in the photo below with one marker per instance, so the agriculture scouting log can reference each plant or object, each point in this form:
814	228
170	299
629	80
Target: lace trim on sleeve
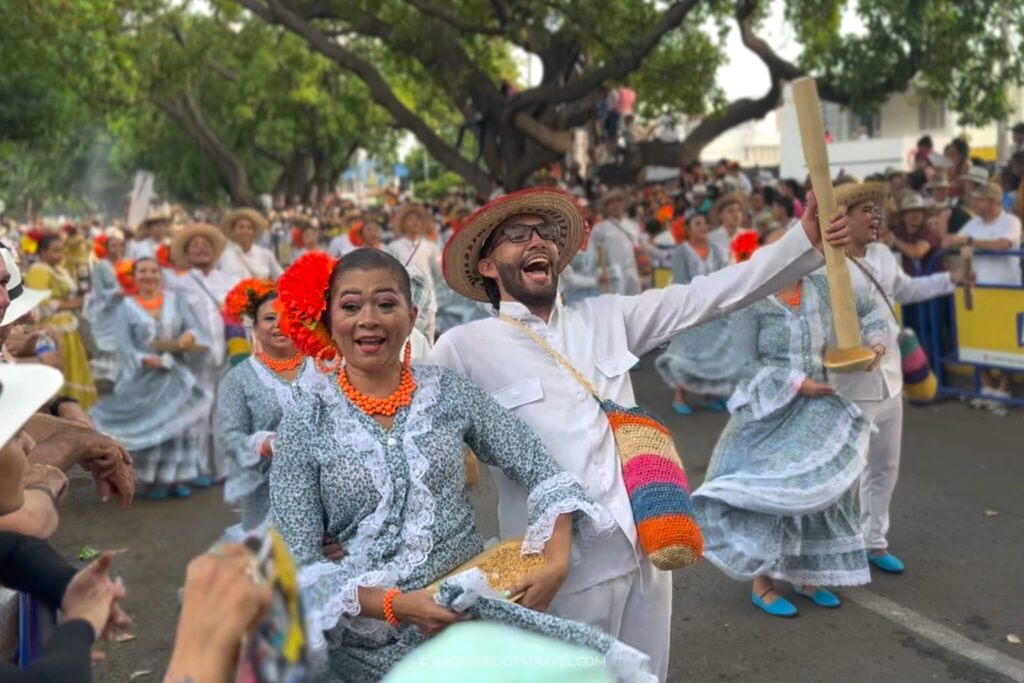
557	495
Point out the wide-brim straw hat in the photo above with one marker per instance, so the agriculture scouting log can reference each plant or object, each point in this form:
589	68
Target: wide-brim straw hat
854	193
912	201
462	252
179	243
406	210
259	223
726	199
23	388
23	299
988	191
609	196
978	175
157	213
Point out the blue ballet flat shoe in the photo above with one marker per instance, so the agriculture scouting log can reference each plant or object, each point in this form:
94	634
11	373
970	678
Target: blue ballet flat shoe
681	408
717	405
820	597
887	562
202	482
159	493
181	491
781	607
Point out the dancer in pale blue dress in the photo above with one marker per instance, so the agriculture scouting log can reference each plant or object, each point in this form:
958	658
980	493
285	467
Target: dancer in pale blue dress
778	501
704	361
157	410
372	452
251	401
100	307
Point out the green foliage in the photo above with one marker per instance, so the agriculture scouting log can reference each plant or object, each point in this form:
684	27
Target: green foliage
437	187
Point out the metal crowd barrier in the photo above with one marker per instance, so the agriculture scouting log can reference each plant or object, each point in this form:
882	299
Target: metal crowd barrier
927	318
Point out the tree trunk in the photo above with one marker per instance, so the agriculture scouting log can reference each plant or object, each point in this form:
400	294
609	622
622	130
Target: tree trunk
296	177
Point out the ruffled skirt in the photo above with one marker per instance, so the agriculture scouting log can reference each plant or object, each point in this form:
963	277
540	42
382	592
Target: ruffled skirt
703	360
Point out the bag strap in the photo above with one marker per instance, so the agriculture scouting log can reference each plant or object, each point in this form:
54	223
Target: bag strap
877	285
558	357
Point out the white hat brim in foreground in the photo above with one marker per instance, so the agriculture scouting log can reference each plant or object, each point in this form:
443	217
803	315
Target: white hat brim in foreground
23	388
26	300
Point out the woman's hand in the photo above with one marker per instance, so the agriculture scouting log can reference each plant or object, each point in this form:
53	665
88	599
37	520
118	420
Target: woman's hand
186	340
153	362
541	584
92	595
879	350
331	550
221	605
419	608
811	388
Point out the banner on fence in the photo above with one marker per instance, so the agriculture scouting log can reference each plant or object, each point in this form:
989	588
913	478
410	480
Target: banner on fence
992	332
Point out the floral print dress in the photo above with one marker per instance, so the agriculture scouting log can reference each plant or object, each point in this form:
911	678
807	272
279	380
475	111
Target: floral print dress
778	499
250	405
395	500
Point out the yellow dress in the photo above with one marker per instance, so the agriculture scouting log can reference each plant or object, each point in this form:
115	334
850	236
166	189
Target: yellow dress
77	375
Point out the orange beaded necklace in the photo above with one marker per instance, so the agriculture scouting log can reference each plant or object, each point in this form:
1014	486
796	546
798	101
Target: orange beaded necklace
792	300
389	405
152	306
280	365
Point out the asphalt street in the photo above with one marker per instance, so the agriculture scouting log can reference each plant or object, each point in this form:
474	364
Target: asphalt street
957	523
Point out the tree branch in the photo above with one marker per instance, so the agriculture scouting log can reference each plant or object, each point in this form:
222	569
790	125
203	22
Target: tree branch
614	67
453	20
273	12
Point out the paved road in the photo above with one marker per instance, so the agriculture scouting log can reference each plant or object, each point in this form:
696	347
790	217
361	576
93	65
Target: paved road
946	619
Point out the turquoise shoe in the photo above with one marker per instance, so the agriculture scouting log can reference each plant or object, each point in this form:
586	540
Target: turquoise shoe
159	493
820	597
681	408
718	405
887	562
181	491
202	482
781	607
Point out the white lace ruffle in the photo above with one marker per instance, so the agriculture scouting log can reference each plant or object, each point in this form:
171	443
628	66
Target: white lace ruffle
628	665
474	586
763	403
248	478
596	521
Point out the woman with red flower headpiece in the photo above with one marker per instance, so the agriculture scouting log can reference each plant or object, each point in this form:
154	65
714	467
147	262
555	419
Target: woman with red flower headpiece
251	398
370	451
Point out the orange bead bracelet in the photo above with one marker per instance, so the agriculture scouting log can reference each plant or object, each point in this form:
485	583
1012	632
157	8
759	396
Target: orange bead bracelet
389	613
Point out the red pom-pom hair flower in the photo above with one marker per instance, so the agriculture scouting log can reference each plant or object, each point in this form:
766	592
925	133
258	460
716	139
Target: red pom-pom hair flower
125	278
240	302
99	246
743	244
302	299
296	237
163	255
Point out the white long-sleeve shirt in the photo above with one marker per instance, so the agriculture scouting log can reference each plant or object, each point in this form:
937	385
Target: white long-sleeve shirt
617	237
258	262
887	379
602	337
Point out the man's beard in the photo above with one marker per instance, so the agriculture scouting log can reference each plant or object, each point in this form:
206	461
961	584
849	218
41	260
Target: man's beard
511	277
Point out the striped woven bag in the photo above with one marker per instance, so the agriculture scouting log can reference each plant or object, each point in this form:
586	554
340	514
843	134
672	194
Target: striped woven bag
653	475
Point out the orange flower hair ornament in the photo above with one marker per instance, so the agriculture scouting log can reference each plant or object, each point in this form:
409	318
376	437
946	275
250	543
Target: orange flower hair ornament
744	243
99	246
241	302
163	255
301	299
125	278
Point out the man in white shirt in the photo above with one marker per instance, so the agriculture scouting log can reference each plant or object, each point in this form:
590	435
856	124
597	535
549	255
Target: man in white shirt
242	257
878	392
150	235
510	254
727	212
991	228
421	257
615	239
196	249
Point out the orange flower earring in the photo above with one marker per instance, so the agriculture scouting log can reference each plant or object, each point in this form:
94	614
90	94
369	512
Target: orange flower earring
323	362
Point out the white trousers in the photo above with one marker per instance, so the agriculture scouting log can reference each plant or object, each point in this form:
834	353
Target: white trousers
879	478
636	608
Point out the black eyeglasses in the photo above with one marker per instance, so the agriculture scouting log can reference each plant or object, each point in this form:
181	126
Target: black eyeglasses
520	232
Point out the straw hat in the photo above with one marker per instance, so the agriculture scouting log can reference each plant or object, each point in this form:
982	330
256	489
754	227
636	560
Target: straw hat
179	243
609	196
940	180
157	213
988	191
977	174
853	193
259	223
23	299
23	388
406	210
462	253
726	199
912	201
